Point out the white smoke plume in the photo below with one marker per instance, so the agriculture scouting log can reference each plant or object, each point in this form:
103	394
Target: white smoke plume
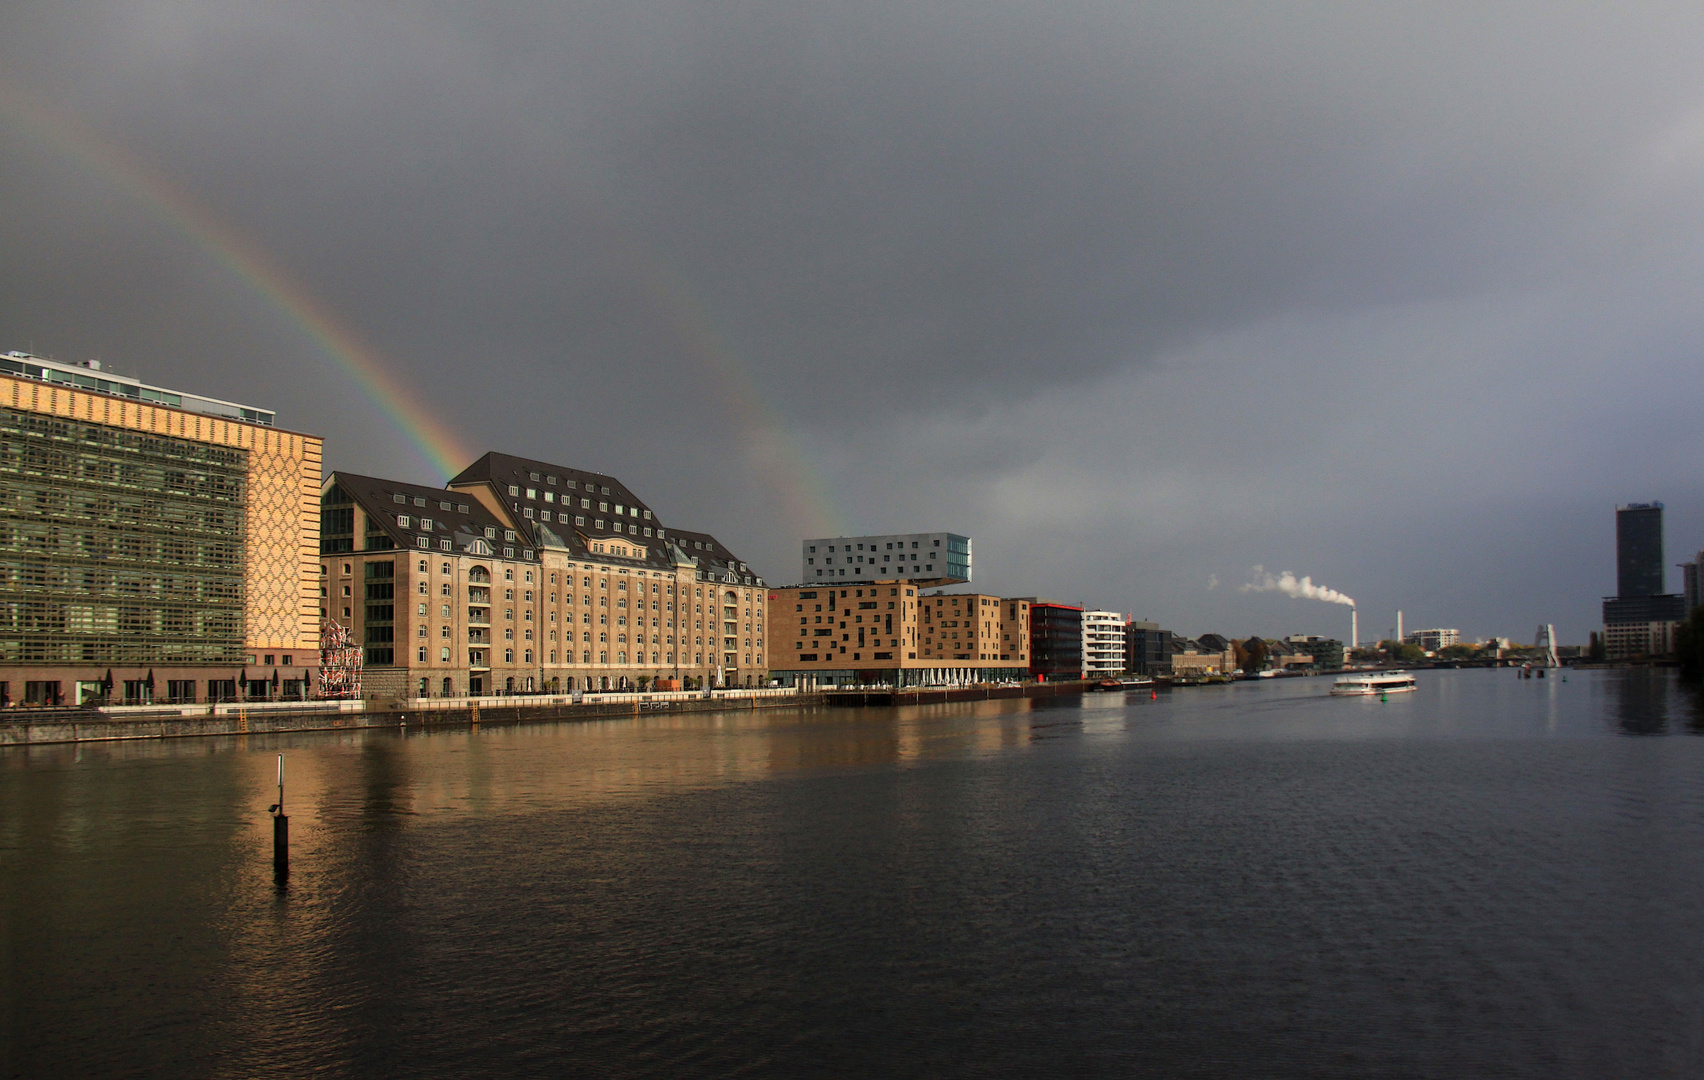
1290	585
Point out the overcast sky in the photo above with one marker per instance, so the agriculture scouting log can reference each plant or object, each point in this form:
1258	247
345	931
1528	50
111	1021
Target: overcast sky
1140	296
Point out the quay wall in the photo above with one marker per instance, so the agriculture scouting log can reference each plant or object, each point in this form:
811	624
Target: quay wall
40	727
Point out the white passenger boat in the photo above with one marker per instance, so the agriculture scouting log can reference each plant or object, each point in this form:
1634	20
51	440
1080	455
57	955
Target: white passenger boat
1366	684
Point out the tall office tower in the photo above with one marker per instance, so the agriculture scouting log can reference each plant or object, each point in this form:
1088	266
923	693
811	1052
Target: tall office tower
1641	619
1639	549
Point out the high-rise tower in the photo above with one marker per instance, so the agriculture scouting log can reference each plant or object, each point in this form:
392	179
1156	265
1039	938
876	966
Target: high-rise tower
1639	549
1640	619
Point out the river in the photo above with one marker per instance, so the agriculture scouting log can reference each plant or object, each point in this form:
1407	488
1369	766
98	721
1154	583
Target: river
1488	877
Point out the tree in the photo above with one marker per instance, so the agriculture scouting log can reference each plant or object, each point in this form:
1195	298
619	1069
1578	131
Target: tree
1252	654
1402	652
1595	650
1689	646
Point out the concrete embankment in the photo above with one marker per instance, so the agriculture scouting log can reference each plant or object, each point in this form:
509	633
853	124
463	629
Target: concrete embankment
41	727
48	726
938	694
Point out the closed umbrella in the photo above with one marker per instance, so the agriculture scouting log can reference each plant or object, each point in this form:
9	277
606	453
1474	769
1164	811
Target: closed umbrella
274	680
106	684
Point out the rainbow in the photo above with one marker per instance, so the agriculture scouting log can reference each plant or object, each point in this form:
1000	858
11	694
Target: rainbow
437	446
772	451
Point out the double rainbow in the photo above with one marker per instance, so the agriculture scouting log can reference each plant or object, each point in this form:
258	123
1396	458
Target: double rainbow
772	451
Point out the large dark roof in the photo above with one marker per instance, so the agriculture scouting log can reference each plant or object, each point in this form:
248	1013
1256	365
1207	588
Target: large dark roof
562	522
714	556
432	513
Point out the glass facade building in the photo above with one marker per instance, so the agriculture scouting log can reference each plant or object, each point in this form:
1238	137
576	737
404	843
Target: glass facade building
1056	641
155	546
118	547
1639	549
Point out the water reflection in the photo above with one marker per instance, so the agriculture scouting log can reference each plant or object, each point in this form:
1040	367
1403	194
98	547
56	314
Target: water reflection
691	894
1642	700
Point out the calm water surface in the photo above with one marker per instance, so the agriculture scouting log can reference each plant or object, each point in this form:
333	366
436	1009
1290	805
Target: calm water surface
1491	877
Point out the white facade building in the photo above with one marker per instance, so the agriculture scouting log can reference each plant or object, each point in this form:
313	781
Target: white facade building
1433	640
874	558
1103	644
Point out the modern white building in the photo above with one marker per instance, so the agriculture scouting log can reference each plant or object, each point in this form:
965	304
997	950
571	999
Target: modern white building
944	556
87	375
1433	640
1103	644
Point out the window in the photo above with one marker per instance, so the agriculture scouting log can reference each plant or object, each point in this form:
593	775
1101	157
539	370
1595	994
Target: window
514	489
401	498
444	654
420	654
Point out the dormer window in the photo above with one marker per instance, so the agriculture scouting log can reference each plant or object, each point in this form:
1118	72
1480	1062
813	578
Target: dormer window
402	521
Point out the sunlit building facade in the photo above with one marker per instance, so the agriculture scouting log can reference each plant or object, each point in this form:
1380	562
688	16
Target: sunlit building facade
158	545
893	633
523	577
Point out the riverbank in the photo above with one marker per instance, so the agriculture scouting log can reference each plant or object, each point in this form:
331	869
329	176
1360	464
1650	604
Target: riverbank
46	727
50	726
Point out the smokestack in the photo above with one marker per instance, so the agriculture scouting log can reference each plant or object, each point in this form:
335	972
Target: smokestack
1354	629
1399	638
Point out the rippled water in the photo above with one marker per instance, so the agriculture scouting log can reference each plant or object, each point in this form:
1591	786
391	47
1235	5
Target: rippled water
1491	877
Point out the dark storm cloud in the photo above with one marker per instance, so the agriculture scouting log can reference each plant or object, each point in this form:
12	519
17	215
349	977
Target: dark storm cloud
961	249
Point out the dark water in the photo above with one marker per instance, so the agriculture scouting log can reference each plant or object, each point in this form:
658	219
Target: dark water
1492	877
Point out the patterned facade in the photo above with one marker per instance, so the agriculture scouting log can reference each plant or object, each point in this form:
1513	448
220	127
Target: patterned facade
892	633
151	552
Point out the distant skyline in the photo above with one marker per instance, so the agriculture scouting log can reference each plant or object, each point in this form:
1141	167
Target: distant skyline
1140	297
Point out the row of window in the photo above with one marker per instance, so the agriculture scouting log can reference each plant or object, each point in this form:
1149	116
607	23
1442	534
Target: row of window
873	547
404	500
